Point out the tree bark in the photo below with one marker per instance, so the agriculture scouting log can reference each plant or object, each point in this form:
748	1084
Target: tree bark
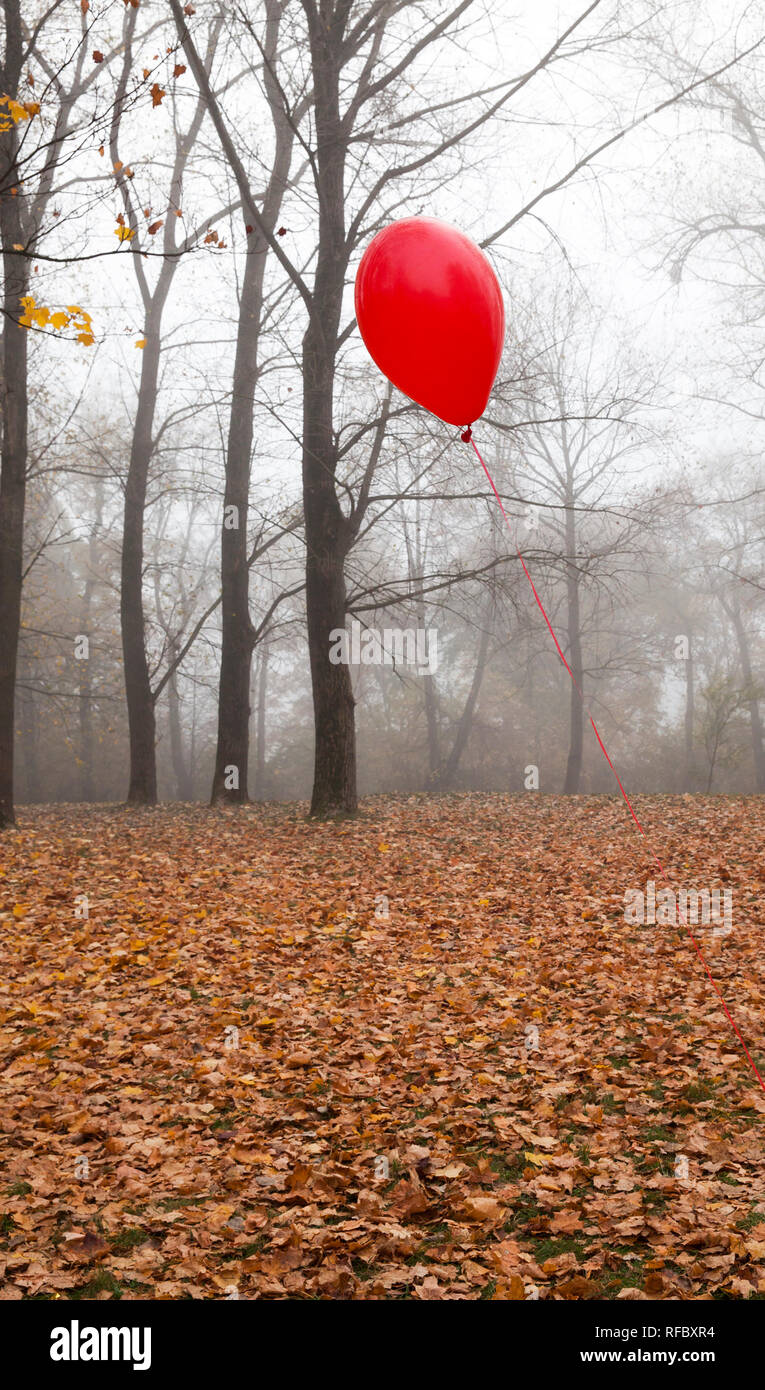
465	724
758	752
30	741
13	451
86	721
334	786
181	770
260	735
689	772
140	700
327	533
576	708
86	679
430	697
238	635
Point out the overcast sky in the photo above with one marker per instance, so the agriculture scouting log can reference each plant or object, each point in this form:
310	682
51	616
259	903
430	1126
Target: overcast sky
613	223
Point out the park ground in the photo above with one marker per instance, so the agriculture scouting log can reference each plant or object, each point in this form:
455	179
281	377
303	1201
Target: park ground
418	1054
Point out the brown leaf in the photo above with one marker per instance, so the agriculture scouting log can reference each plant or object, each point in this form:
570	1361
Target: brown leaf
577	1287
483	1209
83	1249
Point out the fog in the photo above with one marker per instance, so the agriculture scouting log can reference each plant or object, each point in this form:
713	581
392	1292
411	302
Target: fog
624	432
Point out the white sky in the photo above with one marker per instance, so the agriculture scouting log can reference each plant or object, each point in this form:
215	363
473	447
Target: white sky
608	220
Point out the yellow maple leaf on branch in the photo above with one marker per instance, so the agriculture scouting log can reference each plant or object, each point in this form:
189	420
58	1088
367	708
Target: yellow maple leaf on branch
40	316
16	111
34	315
124	233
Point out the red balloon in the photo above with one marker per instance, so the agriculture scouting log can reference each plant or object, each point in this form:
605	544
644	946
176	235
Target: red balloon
429	308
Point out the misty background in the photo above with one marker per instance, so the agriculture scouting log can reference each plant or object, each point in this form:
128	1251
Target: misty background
625	432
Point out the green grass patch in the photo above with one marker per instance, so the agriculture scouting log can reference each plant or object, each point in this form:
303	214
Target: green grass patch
102	1280
128	1238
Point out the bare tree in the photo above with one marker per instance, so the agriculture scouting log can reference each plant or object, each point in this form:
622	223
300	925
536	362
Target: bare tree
142	787
29	164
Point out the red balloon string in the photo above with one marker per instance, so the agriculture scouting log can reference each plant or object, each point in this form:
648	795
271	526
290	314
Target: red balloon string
467	436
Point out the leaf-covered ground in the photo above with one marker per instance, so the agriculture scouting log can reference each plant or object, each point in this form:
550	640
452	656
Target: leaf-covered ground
381	1125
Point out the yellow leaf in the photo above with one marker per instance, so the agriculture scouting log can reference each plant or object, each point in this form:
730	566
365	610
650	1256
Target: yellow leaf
86	339
140	342
19	909
19	111
124	233
537	1159
59	320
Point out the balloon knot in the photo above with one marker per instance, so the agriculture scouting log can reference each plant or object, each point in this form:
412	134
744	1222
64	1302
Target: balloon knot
466	435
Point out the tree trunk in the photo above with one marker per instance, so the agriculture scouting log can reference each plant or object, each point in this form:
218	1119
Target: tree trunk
326	531
30	740
13	455
260	735
86	679
334	787
576	715
466	719
238	636
181	771
86	726
140	700
758	753
689	774
430	696
429	688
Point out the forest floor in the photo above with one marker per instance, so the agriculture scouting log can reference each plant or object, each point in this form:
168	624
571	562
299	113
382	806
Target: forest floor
236	1077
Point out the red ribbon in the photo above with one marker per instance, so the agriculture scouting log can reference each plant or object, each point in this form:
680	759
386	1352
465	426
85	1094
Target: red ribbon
467	436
